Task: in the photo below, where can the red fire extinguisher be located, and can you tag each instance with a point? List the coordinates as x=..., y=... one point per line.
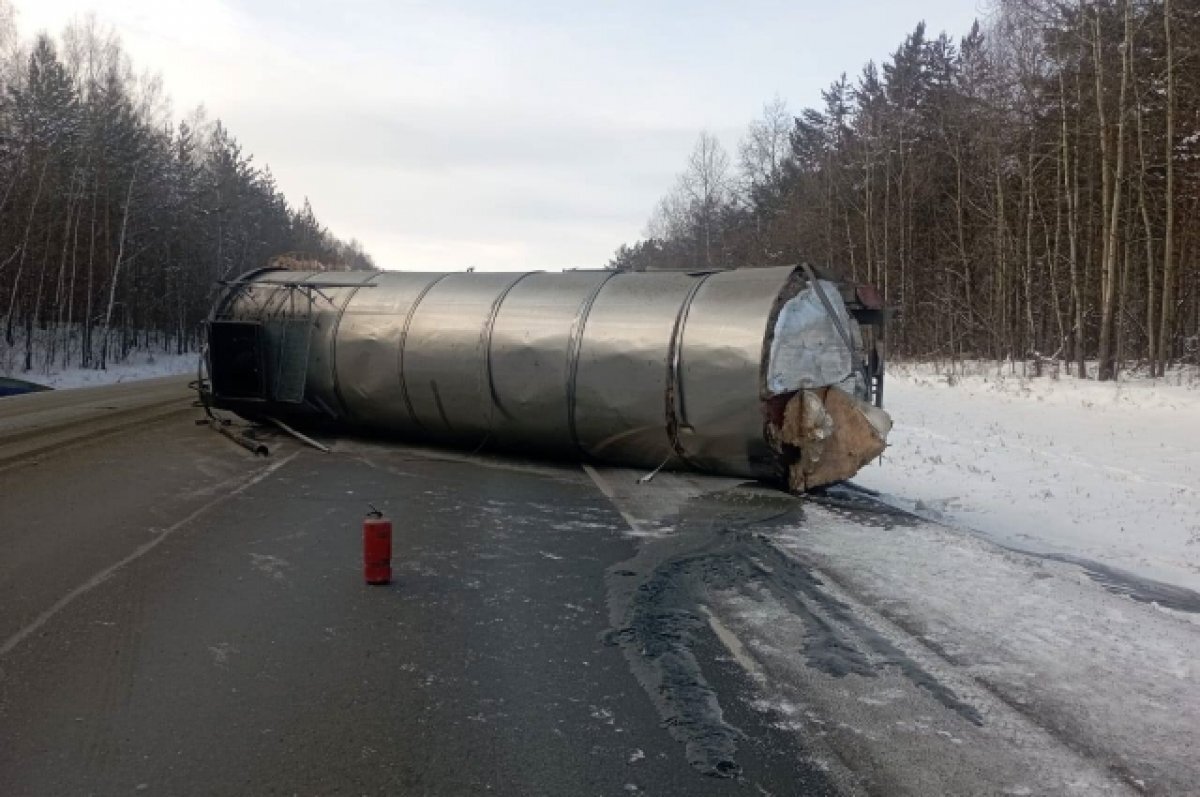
x=377, y=548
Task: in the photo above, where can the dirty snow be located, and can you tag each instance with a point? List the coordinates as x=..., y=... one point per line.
x=1104, y=471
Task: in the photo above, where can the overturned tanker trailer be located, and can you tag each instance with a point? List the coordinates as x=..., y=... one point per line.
x=759, y=373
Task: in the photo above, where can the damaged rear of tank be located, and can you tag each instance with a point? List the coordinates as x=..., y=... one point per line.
x=766, y=373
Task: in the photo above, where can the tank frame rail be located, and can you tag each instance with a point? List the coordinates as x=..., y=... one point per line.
x=867, y=307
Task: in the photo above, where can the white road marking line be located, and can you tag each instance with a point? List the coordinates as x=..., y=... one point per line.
x=608, y=491
x=16, y=639
x=734, y=646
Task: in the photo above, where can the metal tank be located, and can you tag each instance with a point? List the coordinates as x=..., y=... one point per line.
x=649, y=369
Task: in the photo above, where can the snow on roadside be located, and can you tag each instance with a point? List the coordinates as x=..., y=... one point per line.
x=1115, y=679
x=1105, y=471
x=138, y=365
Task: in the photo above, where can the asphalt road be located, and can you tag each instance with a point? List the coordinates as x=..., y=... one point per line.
x=178, y=616
x=35, y=424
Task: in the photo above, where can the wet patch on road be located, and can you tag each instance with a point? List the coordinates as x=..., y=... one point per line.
x=862, y=506
x=659, y=641
x=721, y=543
x=839, y=643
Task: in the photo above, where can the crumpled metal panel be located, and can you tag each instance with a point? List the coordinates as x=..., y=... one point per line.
x=639, y=369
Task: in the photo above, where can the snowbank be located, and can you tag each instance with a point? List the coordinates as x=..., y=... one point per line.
x=139, y=365
x=1105, y=471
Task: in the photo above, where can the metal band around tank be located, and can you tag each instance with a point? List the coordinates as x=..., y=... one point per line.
x=488, y=328
x=412, y=311
x=673, y=398
x=333, y=338
x=574, y=346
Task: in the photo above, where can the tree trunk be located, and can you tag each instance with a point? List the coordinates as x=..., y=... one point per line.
x=1002, y=335
x=74, y=270
x=1111, y=238
x=112, y=292
x=86, y=344
x=1148, y=232
x=1031, y=343
x=33, y=312
x=37, y=195
x=1167, y=315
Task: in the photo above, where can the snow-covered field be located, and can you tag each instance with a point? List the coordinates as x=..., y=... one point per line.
x=1104, y=471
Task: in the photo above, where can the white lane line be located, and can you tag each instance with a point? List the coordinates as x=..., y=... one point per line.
x=16, y=639
x=734, y=646
x=611, y=494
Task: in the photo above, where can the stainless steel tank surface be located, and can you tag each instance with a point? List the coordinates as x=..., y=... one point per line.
x=647, y=369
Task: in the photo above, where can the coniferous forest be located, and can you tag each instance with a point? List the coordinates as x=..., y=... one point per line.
x=1030, y=191
x=117, y=220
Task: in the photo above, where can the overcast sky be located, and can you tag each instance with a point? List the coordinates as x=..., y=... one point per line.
x=505, y=135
